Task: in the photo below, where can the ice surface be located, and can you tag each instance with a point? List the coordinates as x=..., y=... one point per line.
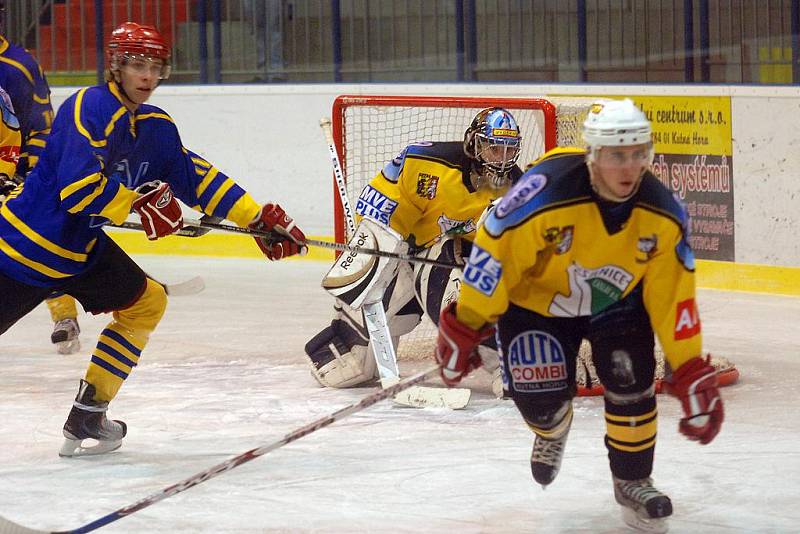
x=224, y=373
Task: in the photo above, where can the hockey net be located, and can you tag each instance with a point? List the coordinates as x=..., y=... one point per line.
x=370, y=130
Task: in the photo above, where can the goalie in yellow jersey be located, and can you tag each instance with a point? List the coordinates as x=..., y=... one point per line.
x=589, y=244
x=426, y=201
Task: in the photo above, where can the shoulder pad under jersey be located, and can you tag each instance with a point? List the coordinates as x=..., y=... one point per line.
x=450, y=154
x=517, y=204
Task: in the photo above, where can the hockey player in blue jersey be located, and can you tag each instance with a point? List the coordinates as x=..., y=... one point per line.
x=110, y=154
x=23, y=79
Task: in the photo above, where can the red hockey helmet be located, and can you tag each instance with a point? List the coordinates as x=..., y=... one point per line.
x=132, y=39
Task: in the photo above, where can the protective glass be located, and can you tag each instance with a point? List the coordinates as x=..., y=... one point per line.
x=140, y=65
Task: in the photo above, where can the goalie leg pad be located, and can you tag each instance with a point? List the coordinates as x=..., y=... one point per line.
x=339, y=357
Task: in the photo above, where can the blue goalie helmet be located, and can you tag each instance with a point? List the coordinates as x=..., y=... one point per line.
x=494, y=141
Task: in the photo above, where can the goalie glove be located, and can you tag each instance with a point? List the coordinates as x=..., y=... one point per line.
x=159, y=211
x=456, y=346
x=287, y=238
x=695, y=384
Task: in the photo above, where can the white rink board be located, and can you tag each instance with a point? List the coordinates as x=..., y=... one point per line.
x=268, y=139
x=224, y=373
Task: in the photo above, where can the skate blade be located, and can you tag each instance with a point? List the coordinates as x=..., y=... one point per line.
x=68, y=347
x=657, y=525
x=73, y=448
x=426, y=397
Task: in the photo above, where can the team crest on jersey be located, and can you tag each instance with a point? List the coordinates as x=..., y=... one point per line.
x=560, y=237
x=454, y=226
x=687, y=320
x=375, y=205
x=536, y=362
x=524, y=190
x=647, y=246
x=426, y=185
x=482, y=272
x=591, y=290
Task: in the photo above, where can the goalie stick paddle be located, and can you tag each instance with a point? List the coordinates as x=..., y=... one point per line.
x=10, y=527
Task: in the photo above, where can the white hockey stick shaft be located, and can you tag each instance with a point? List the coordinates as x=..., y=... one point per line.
x=9, y=527
x=381, y=340
x=325, y=124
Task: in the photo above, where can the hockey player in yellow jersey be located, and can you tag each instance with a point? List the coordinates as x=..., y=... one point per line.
x=589, y=244
x=429, y=193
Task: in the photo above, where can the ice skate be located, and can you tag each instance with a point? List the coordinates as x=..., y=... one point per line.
x=87, y=420
x=546, y=458
x=643, y=506
x=65, y=336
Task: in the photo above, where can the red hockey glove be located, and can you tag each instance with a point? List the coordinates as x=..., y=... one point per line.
x=160, y=212
x=290, y=240
x=695, y=384
x=455, y=347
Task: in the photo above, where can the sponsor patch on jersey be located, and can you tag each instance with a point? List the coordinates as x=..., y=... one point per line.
x=524, y=190
x=454, y=226
x=560, y=237
x=375, y=205
x=10, y=154
x=687, y=320
x=648, y=246
x=427, y=185
x=591, y=290
x=482, y=272
x=536, y=362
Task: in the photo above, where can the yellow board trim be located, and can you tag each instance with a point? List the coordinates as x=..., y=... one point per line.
x=212, y=244
x=750, y=277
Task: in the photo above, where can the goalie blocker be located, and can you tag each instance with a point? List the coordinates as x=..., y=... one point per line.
x=340, y=355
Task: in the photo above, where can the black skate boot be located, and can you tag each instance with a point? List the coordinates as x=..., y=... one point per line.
x=87, y=420
x=546, y=458
x=65, y=336
x=643, y=506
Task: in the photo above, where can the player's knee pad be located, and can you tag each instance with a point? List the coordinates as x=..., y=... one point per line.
x=142, y=317
x=550, y=420
x=436, y=287
x=625, y=362
x=339, y=355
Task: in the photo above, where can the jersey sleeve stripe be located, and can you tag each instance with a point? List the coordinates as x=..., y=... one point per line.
x=217, y=197
x=37, y=142
x=201, y=187
x=243, y=211
x=37, y=238
x=119, y=207
x=201, y=163
x=98, y=190
x=9, y=251
x=80, y=184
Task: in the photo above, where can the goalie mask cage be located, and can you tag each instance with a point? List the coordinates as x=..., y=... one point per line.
x=369, y=131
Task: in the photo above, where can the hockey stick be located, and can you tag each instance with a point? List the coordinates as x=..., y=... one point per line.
x=190, y=224
x=192, y=286
x=9, y=527
x=380, y=339
x=325, y=124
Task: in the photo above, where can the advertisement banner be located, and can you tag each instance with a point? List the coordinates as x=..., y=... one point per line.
x=694, y=147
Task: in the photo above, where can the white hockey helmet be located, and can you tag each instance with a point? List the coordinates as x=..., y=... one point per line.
x=616, y=123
